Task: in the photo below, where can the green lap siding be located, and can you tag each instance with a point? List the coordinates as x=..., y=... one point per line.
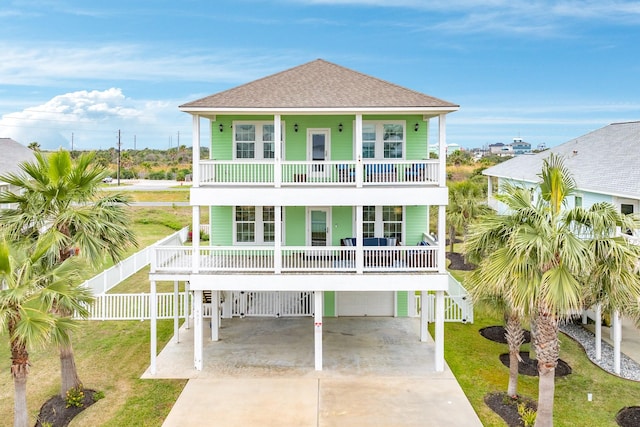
x=329, y=304
x=342, y=219
x=221, y=226
x=416, y=224
x=295, y=226
x=402, y=304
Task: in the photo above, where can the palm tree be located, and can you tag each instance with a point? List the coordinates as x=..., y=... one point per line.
x=542, y=261
x=489, y=236
x=61, y=199
x=464, y=206
x=30, y=288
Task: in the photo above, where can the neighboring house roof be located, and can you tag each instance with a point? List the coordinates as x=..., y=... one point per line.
x=318, y=85
x=13, y=153
x=604, y=161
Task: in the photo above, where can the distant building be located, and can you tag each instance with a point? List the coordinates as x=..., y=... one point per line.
x=13, y=153
x=520, y=147
x=514, y=149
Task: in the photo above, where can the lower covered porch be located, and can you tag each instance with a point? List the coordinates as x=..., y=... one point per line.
x=285, y=346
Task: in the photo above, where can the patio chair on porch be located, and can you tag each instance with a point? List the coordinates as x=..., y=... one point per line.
x=380, y=173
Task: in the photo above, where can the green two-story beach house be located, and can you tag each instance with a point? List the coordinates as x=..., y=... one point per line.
x=320, y=189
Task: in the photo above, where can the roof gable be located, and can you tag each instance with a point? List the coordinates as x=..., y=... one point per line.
x=603, y=161
x=13, y=153
x=318, y=84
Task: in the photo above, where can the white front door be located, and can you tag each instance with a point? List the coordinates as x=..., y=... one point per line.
x=318, y=143
x=318, y=229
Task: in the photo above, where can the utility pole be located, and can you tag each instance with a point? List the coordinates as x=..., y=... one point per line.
x=72, y=143
x=119, y=145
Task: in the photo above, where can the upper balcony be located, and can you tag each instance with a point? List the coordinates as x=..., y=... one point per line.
x=347, y=173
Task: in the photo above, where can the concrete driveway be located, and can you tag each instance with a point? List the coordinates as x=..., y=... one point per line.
x=376, y=372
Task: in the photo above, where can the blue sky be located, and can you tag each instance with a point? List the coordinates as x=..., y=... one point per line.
x=547, y=71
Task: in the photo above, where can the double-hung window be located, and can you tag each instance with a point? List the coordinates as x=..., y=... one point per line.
x=382, y=221
x=253, y=140
x=383, y=140
x=254, y=224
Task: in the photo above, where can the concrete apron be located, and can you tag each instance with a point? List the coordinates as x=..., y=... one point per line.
x=376, y=372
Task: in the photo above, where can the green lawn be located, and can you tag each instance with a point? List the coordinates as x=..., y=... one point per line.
x=474, y=361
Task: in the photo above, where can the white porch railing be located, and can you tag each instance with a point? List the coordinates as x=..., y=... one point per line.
x=301, y=173
x=458, y=306
x=270, y=304
x=135, y=306
x=112, y=276
x=212, y=259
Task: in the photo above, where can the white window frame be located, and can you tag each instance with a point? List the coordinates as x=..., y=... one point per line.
x=258, y=230
x=258, y=149
x=379, y=223
x=379, y=141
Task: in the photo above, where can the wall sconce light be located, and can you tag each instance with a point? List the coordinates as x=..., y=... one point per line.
x=295, y=127
x=340, y=127
x=416, y=127
x=221, y=127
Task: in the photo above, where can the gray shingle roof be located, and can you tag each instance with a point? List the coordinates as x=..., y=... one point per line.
x=605, y=161
x=318, y=84
x=13, y=153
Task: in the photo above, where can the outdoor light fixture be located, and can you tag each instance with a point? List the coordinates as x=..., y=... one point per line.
x=295, y=127
x=221, y=127
x=416, y=127
x=340, y=127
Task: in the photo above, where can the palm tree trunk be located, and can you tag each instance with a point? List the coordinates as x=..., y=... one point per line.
x=19, y=371
x=68, y=371
x=547, y=352
x=515, y=338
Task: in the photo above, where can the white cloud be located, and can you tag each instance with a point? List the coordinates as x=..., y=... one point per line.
x=45, y=63
x=94, y=117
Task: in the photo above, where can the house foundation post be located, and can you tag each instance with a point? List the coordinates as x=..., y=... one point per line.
x=153, y=307
x=215, y=315
x=424, y=316
x=197, y=330
x=176, y=313
x=317, y=327
x=439, y=354
x=598, y=332
x=617, y=340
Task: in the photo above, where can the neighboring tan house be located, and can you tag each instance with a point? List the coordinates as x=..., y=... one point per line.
x=319, y=188
x=604, y=164
x=13, y=153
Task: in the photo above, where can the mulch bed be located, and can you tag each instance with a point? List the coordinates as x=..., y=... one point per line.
x=507, y=407
x=629, y=416
x=55, y=412
x=529, y=366
x=497, y=334
x=458, y=263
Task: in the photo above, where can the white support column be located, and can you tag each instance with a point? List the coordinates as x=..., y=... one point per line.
x=317, y=327
x=439, y=354
x=197, y=331
x=195, y=240
x=358, y=150
x=442, y=150
x=176, y=313
x=153, y=312
x=617, y=340
x=489, y=189
x=277, y=244
x=195, y=141
x=187, y=295
x=359, y=243
x=442, y=239
x=598, y=332
x=277, y=155
x=215, y=315
x=424, y=318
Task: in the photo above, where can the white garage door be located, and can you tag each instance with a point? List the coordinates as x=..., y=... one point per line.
x=365, y=303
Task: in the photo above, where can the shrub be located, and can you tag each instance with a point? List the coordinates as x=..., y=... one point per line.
x=527, y=415
x=157, y=175
x=75, y=397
